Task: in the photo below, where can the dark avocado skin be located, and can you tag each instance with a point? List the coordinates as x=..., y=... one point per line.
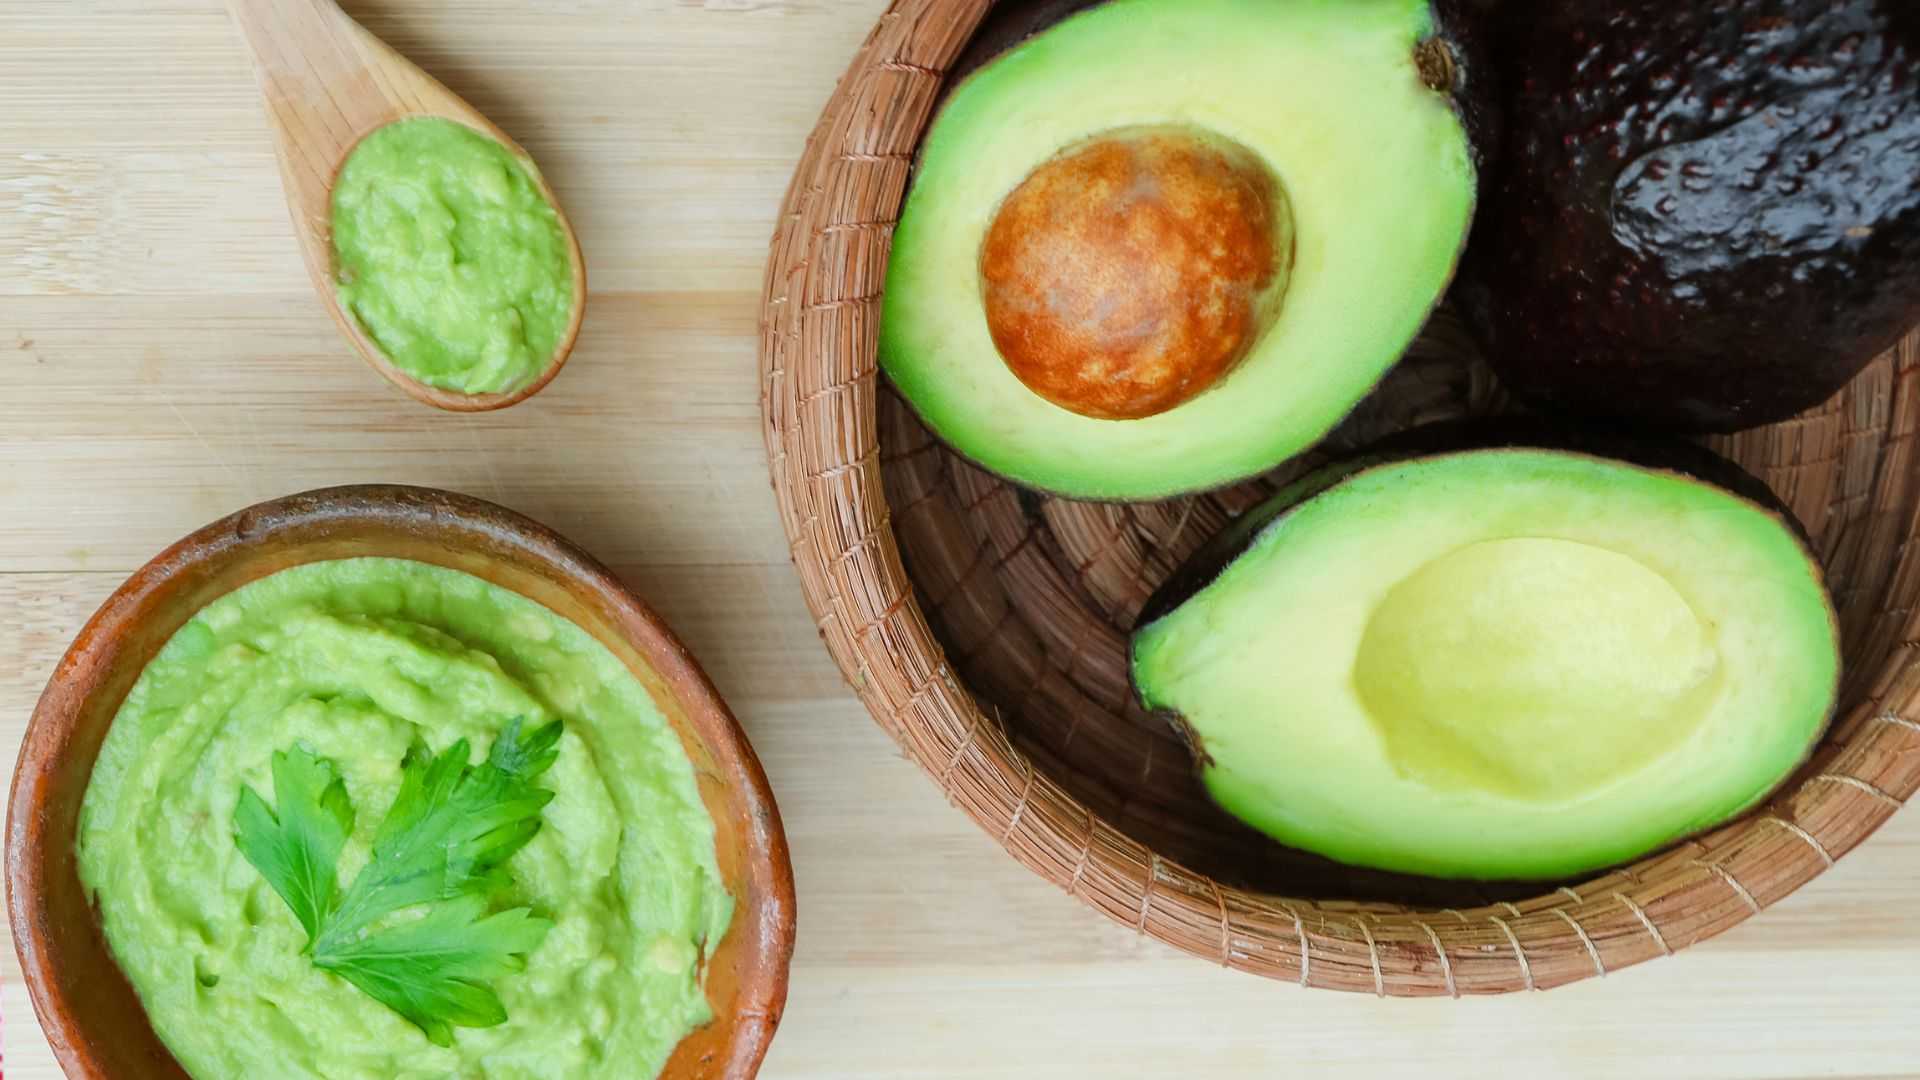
x=1706, y=215
x=1456, y=436
x=1009, y=23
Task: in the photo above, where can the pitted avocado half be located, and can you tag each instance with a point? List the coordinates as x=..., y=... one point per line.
x=1513, y=662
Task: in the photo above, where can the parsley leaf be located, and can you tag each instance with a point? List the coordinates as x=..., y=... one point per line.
x=431, y=970
x=296, y=850
x=450, y=828
x=443, y=844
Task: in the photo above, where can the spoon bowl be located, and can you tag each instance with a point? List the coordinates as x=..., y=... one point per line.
x=330, y=83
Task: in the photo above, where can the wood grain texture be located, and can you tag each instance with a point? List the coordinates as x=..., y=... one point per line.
x=167, y=362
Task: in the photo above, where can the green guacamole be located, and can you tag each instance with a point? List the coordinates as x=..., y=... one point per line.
x=450, y=257
x=354, y=660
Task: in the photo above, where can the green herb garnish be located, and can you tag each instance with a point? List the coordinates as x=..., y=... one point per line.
x=444, y=843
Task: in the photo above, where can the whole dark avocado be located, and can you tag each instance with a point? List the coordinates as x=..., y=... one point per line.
x=1707, y=215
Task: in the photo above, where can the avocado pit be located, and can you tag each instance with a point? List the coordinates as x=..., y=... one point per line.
x=1133, y=271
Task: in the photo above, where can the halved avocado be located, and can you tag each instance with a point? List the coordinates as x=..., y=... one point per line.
x=1513, y=662
x=1166, y=244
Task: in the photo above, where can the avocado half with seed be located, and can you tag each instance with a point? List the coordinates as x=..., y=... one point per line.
x=1167, y=244
x=1515, y=661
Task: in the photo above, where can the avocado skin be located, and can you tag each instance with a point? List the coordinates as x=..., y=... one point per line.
x=1009, y=23
x=1706, y=216
x=1455, y=436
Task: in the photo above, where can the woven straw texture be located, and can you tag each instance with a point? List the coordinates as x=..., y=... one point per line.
x=984, y=626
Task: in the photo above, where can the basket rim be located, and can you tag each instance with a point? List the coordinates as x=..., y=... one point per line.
x=819, y=399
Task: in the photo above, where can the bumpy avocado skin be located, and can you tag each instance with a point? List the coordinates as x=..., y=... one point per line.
x=1707, y=215
x=1008, y=24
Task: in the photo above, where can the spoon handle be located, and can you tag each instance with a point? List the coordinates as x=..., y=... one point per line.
x=321, y=75
x=326, y=79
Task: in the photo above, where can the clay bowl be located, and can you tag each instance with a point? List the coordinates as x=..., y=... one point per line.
x=91, y=1016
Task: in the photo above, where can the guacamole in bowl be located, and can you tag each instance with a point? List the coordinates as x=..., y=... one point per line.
x=356, y=813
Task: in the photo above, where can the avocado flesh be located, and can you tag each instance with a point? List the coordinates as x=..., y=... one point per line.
x=1500, y=664
x=1375, y=164
x=1707, y=215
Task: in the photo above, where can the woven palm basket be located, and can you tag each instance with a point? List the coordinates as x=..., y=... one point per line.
x=984, y=626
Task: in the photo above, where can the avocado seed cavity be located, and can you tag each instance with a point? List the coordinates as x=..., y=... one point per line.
x=1133, y=271
x=1537, y=668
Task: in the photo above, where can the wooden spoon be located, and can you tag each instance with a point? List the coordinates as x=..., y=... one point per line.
x=328, y=84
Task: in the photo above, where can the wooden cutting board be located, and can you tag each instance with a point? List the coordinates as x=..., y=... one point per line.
x=166, y=362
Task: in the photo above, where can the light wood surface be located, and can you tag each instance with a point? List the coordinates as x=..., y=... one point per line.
x=166, y=362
